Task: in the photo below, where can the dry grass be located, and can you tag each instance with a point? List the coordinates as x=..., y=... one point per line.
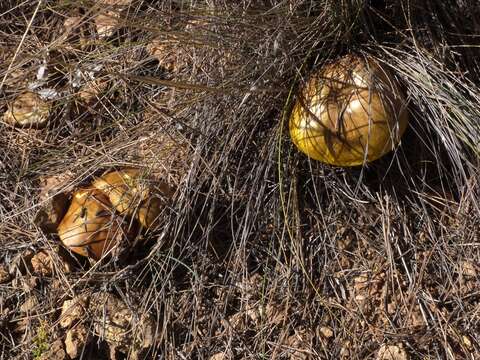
x=263, y=254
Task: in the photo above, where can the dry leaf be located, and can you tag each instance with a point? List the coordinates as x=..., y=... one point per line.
x=117, y=324
x=392, y=352
x=44, y=263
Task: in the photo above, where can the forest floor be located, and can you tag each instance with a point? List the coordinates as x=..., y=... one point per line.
x=260, y=253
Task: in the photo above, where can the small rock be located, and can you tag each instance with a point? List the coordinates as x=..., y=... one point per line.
x=467, y=342
x=29, y=304
x=73, y=310
x=468, y=269
x=392, y=352
x=361, y=282
x=75, y=341
x=326, y=332
x=55, y=352
x=114, y=327
x=27, y=110
x=345, y=350
x=367, y=287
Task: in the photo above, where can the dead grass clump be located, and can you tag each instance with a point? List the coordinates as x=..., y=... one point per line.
x=262, y=253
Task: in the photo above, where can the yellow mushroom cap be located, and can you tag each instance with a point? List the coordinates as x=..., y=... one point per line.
x=89, y=228
x=28, y=109
x=349, y=113
x=130, y=192
x=124, y=188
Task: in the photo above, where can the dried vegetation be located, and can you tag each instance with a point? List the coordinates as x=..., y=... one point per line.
x=262, y=254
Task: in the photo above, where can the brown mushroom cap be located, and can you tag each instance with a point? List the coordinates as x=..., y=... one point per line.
x=349, y=113
x=147, y=214
x=27, y=110
x=124, y=188
x=130, y=192
x=89, y=228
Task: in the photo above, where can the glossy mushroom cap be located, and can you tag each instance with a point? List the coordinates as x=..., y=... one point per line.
x=349, y=113
x=124, y=188
x=130, y=192
x=89, y=228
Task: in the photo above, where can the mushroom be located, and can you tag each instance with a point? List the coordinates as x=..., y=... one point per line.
x=130, y=192
x=27, y=110
x=147, y=214
x=89, y=227
x=349, y=113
